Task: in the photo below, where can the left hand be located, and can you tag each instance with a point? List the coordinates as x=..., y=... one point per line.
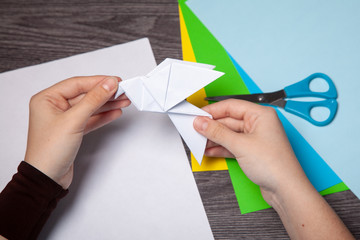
x=61, y=115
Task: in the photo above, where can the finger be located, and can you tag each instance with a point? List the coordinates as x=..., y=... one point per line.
x=121, y=97
x=112, y=105
x=231, y=108
x=94, y=99
x=232, y=123
x=211, y=144
x=217, y=132
x=102, y=119
x=75, y=86
x=218, y=151
x=75, y=100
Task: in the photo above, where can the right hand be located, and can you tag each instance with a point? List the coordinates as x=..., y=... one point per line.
x=254, y=135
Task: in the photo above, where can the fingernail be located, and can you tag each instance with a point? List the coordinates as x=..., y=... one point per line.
x=201, y=123
x=110, y=83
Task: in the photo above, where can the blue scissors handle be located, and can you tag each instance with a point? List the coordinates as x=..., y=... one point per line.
x=303, y=110
x=299, y=108
x=302, y=88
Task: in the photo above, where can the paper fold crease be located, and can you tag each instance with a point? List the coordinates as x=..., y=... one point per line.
x=164, y=89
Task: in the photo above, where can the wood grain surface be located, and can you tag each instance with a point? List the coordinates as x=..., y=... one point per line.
x=33, y=32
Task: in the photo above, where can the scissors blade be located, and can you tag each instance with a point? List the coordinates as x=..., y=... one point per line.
x=255, y=98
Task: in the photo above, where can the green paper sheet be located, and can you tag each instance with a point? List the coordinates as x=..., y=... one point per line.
x=247, y=193
x=208, y=50
x=336, y=188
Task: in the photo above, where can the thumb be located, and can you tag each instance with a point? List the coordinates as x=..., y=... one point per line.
x=216, y=132
x=95, y=98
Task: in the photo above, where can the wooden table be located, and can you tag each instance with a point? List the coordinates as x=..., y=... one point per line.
x=33, y=32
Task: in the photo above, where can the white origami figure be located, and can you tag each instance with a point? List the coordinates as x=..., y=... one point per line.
x=164, y=90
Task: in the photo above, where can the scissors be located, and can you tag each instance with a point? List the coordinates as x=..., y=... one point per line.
x=298, y=108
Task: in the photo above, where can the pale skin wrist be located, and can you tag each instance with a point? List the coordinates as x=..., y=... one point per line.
x=305, y=213
x=285, y=179
x=47, y=168
x=287, y=190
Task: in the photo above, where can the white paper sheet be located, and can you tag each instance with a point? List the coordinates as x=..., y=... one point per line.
x=132, y=177
x=164, y=90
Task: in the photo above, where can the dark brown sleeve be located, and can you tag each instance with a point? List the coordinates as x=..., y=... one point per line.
x=26, y=203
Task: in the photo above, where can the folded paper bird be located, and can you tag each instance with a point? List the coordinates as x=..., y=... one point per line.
x=164, y=90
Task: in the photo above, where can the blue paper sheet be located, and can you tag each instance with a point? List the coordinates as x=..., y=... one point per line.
x=281, y=42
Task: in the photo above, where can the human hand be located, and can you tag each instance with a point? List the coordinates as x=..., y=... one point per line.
x=254, y=135
x=61, y=115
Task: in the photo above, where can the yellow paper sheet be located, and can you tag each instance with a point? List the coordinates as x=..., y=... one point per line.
x=208, y=164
